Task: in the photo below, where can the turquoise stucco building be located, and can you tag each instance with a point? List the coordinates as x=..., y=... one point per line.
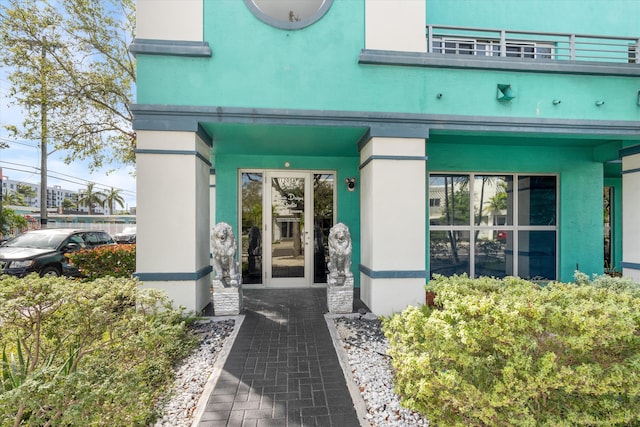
x=484, y=137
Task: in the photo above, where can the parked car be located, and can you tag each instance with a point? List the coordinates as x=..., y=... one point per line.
x=128, y=235
x=43, y=251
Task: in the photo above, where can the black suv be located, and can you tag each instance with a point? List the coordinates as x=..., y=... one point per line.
x=42, y=251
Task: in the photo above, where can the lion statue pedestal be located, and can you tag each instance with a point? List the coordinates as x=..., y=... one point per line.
x=227, y=281
x=340, y=278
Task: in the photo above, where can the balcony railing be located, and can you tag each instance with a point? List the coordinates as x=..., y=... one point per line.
x=531, y=45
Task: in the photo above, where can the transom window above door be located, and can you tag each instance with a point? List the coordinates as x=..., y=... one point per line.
x=493, y=225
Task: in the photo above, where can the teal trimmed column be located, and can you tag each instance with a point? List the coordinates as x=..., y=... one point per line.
x=173, y=220
x=631, y=206
x=392, y=223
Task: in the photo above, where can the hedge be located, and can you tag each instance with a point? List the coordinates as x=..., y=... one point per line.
x=111, y=260
x=511, y=353
x=74, y=355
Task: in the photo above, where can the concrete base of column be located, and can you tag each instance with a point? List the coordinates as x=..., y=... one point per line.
x=194, y=295
x=388, y=296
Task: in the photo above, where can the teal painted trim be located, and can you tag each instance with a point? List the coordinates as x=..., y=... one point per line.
x=636, y=170
x=204, y=135
x=395, y=131
x=381, y=157
x=286, y=25
x=186, y=118
x=387, y=131
x=170, y=48
x=421, y=59
x=393, y=274
x=165, y=277
x=175, y=153
x=630, y=265
x=629, y=151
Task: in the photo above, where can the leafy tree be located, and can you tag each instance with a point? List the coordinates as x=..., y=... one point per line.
x=69, y=63
x=91, y=197
x=10, y=220
x=29, y=34
x=72, y=74
x=26, y=191
x=68, y=204
x=14, y=198
x=112, y=197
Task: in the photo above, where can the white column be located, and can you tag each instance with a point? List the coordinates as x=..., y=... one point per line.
x=631, y=207
x=393, y=223
x=173, y=222
x=398, y=25
x=169, y=19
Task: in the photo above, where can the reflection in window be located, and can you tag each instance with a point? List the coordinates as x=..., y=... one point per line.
x=474, y=227
x=252, y=188
x=537, y=200
x=453, y=193
x=536, y=255
x=492, y=200
x=494, y=253
x=449, y=252
x=323, y=188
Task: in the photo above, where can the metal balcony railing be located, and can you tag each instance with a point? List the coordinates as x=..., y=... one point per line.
x=442, y=39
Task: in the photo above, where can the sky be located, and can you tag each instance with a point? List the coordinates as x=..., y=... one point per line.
x=21, y=161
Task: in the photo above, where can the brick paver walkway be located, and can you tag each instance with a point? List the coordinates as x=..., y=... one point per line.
x=282, y=369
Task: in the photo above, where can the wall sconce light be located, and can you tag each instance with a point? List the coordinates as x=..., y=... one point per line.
x=504, y=93
x=556, y=101
x=287, y=164
x=599, y=103
x=351, y=183
x=439, y=96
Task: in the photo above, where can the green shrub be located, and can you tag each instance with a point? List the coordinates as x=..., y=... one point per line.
x=616, y=283
x=510, y=353
x=73, y=355
x=112, y=260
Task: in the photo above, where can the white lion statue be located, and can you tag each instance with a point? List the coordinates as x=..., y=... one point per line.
x=339, y=254
x=223, y=243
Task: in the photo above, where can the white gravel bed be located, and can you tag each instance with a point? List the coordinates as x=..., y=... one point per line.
x=366, y=349
x=193, y=373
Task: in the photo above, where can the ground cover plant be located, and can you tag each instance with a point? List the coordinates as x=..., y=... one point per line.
x=75, y=353
x=110, y=260
x=507, y=352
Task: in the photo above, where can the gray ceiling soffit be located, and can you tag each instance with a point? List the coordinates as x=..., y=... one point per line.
x=170, y=48
x=437, y=60
x=187, y=118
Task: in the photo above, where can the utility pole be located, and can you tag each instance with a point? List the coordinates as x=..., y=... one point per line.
x=1, y=207
x=44, y=216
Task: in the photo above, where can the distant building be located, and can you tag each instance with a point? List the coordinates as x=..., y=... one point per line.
x=55, y=196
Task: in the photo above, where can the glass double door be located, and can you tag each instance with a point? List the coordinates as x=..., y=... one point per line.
x=286, y=217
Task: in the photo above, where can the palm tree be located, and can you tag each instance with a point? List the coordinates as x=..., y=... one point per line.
x=68, y=204
x=14, y=198
x=91, y=197
x=112, y=196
